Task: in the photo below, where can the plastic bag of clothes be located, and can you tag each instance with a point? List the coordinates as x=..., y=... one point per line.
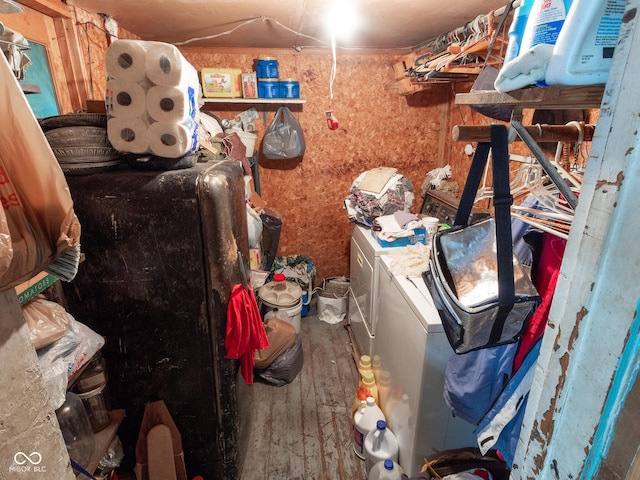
x=377, y=192
x=286, y=367
x=295, y=268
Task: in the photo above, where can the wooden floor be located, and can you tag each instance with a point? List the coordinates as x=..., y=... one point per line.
x=303, y=430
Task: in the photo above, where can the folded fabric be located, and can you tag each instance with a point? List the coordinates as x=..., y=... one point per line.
x=526, y=69
x=390, y=229
x=404, y=218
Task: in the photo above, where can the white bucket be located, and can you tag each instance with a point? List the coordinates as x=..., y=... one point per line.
x=290, y=314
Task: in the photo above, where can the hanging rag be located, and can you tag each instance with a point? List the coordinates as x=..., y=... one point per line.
x=245, y=331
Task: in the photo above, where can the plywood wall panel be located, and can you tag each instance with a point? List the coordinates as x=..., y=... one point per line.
x=378, y=127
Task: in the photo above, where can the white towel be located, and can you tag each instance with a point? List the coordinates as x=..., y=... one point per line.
x=526, y=69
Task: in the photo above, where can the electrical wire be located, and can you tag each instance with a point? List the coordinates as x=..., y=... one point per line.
x=248, y=22
x=333, y=68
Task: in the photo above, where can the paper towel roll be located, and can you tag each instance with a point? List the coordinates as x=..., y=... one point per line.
x=125, y=99
x=128, y=135
x=172, y=140
x=165, y=65
x=170, y=104
x=125, y=60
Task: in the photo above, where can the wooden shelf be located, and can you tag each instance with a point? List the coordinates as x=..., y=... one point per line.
x=549, y=98
x=103, y=439
x=256, y=100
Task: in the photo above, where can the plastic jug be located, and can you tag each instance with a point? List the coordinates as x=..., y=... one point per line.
x=380, y=444
x=364, y=365
x=369, y=381
x=544, y=23
x=365, y=420
x=386, y=470
x=584, y=49
x=361, y=396
x=383, y=384
x=516, y=30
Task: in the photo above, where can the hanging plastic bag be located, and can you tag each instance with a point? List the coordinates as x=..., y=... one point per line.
x=284, y=137
x=35, y=196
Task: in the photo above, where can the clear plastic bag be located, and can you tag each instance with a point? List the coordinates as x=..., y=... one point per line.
x=284, y=138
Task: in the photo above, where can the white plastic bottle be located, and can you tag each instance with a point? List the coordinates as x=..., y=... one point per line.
x=379, y=445
x=364, y=421
x=386, y=470
x=584, y=49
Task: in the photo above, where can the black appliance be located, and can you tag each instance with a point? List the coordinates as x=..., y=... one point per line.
x=162, y=252
x=444, y=206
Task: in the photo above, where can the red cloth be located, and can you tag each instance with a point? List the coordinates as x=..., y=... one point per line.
x=546, y=279
x=245, y=331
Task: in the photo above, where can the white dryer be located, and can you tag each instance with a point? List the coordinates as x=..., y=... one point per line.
x=363, y=285
x=413, y=348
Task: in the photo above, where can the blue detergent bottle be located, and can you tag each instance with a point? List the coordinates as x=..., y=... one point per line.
x=516, y=30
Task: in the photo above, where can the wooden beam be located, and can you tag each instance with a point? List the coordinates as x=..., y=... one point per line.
x=48, y=7
x=556, y=97
x=541, y=133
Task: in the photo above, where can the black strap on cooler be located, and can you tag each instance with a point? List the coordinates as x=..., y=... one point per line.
x=502, y=201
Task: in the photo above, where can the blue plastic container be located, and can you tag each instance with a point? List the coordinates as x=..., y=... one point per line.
x=289, y=88
x=268, y=88
x=267, y=67
x=516, y=30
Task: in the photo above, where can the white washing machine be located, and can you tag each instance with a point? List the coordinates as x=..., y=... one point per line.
x=412, y=346
x=363, y=285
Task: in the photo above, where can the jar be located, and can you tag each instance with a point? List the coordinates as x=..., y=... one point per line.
x=267, y=67
x=268, y=88
x=76, y=429
x=93, y=376
x=96, y=404
x=289, y=88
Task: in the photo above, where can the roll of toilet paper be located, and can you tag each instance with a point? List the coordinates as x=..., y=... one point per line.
x=172, y=140
x=125, y=60
x=125, y=99
x=128, y=135
x=170, y=104
x=165, y=65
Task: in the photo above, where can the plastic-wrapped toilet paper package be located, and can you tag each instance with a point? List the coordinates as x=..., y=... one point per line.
x=170, y=104
x=172, y=140
x=128, y=135
x=154, y=94
x=126, y=60
x=125, y=99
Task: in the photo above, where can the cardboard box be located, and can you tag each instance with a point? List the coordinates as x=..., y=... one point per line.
x=221, y=82
x=249, y=85
x=419, y=236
